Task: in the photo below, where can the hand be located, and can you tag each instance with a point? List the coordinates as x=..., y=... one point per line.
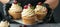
x=52, y=3
x=4, y=1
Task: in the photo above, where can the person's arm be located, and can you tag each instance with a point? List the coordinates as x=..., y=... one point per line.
x=52, y=3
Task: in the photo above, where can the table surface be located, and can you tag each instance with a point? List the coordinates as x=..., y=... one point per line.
x=39, y=25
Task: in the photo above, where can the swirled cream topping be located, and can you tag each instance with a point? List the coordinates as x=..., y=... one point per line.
x=28, y=12
x=4, y=24
x=40, y=8
x=15, y=7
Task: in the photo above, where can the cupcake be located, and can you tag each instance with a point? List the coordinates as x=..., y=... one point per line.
x=40, y=11
x=28, y=15
x=15, y=10
x=4, y=24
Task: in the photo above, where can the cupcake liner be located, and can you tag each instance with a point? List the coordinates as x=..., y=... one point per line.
x=28, y=20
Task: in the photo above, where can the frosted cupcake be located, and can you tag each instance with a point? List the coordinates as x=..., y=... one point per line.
x=4, y=24
x=28, y=15
x=15, y=10
x=40, y=11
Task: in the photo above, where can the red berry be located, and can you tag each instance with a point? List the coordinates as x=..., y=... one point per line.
x=25, y=26
x=15, y=2
x=26, y=6
x=39, y=3
x=29, y=5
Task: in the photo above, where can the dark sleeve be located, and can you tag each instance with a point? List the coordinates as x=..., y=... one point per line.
x=1, y=16
x=1, y=11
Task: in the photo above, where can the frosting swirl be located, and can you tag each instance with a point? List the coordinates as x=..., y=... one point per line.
x=28, y=12
x=15, y=8
x=41, y=9
x=4, y=24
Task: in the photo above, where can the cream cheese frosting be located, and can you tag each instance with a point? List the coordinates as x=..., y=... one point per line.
x=28, y=12
x=40, y=8
x=4, y=24
x=15, y=8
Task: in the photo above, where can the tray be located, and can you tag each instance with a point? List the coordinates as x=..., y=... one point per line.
x=20, y=21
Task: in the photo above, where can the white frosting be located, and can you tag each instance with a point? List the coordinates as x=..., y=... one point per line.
x=15, y=7
x=41, y=8
x=28, y=12
x=4, y=24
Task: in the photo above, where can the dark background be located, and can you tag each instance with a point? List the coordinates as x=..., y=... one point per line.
x=57, y=13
